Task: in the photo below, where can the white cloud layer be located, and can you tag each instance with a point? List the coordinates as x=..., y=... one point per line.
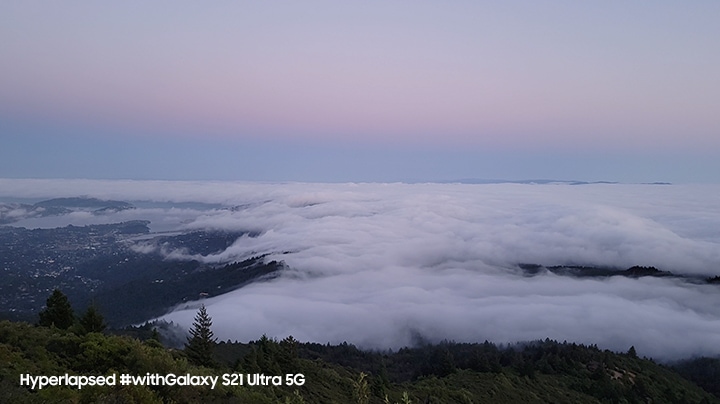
x=380, y=264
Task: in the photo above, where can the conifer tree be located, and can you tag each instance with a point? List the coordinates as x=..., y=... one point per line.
x=57, y=311
x=92, y=320
x=154, y=340
x=200, y=344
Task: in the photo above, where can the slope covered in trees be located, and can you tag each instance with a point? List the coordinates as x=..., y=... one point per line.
x=543, y=371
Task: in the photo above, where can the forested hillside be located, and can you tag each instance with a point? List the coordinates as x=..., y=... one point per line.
x=543, y=371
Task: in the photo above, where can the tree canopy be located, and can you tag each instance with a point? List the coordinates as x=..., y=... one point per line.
x=92, y=320
x=200, y=344
x=57, y=312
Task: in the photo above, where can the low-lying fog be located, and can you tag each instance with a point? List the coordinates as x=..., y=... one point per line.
x=382, y=265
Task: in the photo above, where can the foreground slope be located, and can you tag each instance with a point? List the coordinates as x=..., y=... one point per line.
x=544, y=371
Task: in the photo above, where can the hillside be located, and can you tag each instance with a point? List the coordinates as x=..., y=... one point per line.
x=544, y=371
x=122, y=267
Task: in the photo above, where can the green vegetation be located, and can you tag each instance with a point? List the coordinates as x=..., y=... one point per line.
x=534, y=372
x=544, y=371
x=705, y=372
x=199, y=348
x=58, y=312
x=92, y=320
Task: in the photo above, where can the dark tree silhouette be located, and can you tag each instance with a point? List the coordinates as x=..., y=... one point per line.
x=92, y=320
x=200, y=344
x=57, y=311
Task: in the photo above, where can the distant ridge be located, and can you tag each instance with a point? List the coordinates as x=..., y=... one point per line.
x=85, y=202
x=531, y=181
x=13, y=212
x=539, y=182
x=636, y=271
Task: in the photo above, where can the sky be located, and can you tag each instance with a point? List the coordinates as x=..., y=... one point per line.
x=369, y=91
x=380, y=265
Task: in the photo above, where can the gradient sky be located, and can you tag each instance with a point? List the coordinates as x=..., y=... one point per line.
x=367, y=91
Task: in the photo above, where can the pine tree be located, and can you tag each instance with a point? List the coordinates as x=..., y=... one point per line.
x=92, y=320
x=200, y=344
x=57, y=311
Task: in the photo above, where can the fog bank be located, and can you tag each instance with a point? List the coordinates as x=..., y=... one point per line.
x=381, y=265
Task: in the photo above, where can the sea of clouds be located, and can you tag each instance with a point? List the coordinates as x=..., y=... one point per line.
x=387, y=265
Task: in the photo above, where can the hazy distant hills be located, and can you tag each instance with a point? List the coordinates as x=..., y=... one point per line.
x=536, y=181
x=13, y=212
x=637, y=271
x=530, y=181
x=81, y=202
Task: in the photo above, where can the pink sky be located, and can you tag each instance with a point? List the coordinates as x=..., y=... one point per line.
x=512, y=76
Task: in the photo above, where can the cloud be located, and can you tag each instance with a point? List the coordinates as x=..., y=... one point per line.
x=379, y=264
